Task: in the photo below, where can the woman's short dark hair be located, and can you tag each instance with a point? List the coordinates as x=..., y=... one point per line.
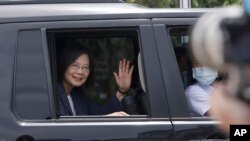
x=69, y=55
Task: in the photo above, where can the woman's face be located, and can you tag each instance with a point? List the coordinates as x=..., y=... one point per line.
x=77, y=73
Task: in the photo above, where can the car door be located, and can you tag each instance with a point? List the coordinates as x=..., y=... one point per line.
x=35, y=48
x=172, y=37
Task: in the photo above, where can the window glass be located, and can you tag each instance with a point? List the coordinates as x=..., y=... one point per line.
x=180, y=41
x=107, y=48
x=198, y=80
x=31, y=92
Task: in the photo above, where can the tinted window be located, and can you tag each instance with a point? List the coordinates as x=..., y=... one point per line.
x=31, y=94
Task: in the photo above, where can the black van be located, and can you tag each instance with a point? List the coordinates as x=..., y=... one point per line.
x=32, y=32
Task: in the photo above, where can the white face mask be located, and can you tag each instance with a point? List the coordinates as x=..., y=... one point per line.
x=204, y=75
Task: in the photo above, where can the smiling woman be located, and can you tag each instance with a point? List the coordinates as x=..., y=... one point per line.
x=74, y=68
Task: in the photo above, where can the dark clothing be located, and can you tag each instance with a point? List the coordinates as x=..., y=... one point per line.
x=83, y=105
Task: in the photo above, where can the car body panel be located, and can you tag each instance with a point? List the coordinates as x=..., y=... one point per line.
x=168, y=118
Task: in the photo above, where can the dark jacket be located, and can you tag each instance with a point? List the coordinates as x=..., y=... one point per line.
x=83, y=105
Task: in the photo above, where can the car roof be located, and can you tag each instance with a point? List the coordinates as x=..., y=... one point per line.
x=87, y=11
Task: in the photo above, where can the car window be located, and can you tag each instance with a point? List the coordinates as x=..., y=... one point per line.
x=107, y=48
x=180, y=41
x=197, y=79
x=30, y=100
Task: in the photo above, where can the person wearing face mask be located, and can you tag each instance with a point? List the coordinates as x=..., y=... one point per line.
x=199, y=93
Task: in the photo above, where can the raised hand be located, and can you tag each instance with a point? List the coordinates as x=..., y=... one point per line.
x=124, y=75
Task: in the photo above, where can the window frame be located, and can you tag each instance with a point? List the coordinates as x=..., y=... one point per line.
x=175, y=93
x=155, y=89
x=167, y=25
x=145, y=32
x=73, y=33
x=19, y=48
x=182, y=121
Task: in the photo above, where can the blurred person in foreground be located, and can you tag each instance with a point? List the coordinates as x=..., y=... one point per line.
x=221, y=40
